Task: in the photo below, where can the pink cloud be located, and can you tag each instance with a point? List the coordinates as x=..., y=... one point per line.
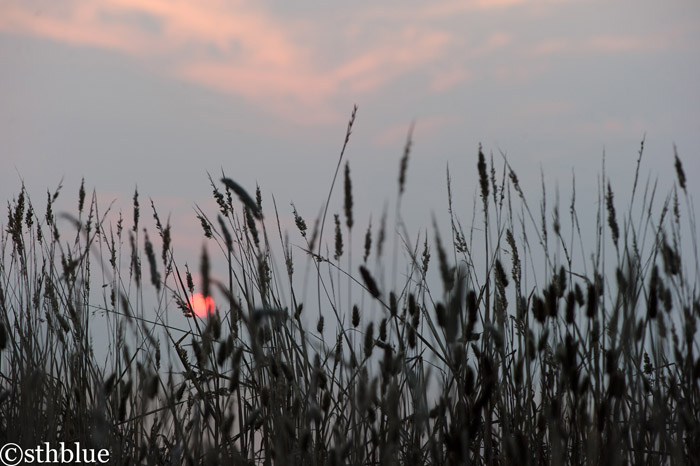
x=228, y=46
x=235, y=47
x=397, y=55
x=287, y=92
x=79, y=27
x=282, y=65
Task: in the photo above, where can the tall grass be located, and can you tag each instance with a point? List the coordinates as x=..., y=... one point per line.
x=509, y=342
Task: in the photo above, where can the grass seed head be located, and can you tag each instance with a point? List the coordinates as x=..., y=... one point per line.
x=591, y=301
x=136, y=211
x=348, y=197
x=612, y=218
x=483, y=176
x=393, y=304
x=355, y=316
x=204, y=270
x=251, y=226
x=299, y=221
x=370, y=284
x=369, y=340
x=679, y=169
x=338, y=239
x=538, y=309
x=570, y=307
x=368, y=241
x=404, y=160
x=244, y=197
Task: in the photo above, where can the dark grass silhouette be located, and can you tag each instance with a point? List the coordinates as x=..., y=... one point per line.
x=493, y=350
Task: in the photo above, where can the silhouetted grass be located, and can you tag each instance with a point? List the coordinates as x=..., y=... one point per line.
x=511, y=343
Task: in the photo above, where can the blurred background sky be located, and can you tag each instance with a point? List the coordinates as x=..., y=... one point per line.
x=156, y=93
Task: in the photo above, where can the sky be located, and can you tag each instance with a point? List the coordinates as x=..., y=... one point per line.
x=155, y=94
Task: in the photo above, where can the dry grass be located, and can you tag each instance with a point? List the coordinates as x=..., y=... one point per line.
x=596, y=363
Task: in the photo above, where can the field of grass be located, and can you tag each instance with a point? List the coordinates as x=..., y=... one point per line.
x=505, y=342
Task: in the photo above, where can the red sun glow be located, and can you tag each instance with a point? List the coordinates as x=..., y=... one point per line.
x=200, y=305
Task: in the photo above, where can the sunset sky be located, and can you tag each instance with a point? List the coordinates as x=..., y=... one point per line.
x=156, y=93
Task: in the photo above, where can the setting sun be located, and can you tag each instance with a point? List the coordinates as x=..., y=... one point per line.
x=200, y=305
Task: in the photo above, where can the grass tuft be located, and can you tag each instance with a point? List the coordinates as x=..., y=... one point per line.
x=519, y=346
